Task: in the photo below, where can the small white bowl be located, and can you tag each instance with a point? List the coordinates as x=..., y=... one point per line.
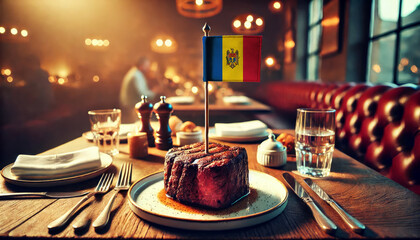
x=271, y=153
x=185, y=138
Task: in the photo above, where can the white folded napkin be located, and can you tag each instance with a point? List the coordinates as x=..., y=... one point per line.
x=236, y=100
x=180, y=100
x=240, y=129
x=54, y=166
x=126, y=128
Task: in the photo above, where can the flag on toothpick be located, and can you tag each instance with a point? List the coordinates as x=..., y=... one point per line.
x=233, y=58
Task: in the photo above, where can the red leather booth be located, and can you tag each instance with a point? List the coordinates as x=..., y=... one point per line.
x=378, y=125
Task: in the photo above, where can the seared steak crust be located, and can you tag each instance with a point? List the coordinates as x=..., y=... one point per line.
x=216, y=179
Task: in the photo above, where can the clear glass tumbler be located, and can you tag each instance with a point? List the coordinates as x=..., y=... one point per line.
x=105, y=126
x=314, y=141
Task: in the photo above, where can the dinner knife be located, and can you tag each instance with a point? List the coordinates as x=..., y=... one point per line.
x=353, y=223
x=323, y=221
x=43, y=194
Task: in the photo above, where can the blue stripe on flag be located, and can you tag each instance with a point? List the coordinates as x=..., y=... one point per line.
x=212, y=58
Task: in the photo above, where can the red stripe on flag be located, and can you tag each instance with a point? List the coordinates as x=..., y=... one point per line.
x=251, y=54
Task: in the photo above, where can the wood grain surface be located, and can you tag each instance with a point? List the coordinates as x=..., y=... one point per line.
x=387, y=209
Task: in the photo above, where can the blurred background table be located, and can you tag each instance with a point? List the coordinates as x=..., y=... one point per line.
x=218, y=111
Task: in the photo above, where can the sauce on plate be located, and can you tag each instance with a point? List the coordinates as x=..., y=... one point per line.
x=239, y=205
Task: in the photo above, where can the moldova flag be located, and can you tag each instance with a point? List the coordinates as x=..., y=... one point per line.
x=232, y=58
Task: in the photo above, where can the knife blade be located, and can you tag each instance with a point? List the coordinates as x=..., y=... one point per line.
x=323, y=221
x=352, y=222
x=43, y=194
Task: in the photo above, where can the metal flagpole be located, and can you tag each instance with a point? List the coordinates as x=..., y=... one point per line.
x=206, y=30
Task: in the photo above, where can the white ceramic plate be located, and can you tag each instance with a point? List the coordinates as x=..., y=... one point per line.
x=267, y=199
x=255, y=138
x=106, y=161
x=180, y=100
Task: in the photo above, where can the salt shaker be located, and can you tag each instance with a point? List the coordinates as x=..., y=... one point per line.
x=163, y=111
x=144, y=111
x=271, y=153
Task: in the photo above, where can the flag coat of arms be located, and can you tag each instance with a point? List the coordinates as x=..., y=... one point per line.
x=233, y=58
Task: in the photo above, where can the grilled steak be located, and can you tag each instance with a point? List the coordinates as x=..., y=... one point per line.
x=215, y=179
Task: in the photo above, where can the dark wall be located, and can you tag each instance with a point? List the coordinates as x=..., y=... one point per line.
x=333, y=66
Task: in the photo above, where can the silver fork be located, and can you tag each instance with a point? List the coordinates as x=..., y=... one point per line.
x=102, y=187
x=123, y=183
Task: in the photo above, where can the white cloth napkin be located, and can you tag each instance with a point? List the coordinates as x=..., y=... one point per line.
x=54, y=166
x=240, y=129
x=236, y=100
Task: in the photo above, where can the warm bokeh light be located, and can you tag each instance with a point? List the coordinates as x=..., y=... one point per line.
x=269, y=61
x=194, y=90
x=400, y=67
x=163, y=44
x=63, y=71
x=211, y=87
x=188, y=85
x=9, y=79
x=176, y=79
x=276, y=5
x=61, y=81
x=96, y=42
x=13, y=31
x=51, y=79
x=6, y=72
x=168, y=42
x=289, y=44
x=236, y=23
x=24, y=33
x=250, y=18
x=247, y=25
x=199, y=8
x=330, y=22
x=95, y=78
x=414, y=69
x=170, y=72
x=376, y=68
x=2, y=30
x=404, y=61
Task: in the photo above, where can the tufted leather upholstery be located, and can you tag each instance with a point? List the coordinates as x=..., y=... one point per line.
x=378, y=125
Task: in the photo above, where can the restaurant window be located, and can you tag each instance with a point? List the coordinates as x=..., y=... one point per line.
x=394, y=53
x=314, y=37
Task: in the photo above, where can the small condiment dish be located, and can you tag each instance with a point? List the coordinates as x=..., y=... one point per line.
x=185, y=138
x=271, y=153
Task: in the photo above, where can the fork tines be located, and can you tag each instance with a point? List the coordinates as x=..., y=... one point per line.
x=124, y=179
x=105, y=182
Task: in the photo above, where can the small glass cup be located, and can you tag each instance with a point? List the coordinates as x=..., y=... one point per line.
x=105, y=126
x=314, y=142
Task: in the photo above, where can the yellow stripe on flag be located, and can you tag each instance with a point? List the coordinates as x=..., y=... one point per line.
x=232, y=72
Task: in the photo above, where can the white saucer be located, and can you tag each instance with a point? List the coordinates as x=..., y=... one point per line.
x=255, y=138
x=106, y=162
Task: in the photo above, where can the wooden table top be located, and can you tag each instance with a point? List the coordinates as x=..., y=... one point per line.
x=387, y=209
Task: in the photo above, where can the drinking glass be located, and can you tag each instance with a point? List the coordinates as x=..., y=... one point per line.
x=314, y=142
x=105, y=126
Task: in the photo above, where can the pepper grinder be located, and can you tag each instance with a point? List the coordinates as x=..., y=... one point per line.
x=163, y=111
x=144, y=111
